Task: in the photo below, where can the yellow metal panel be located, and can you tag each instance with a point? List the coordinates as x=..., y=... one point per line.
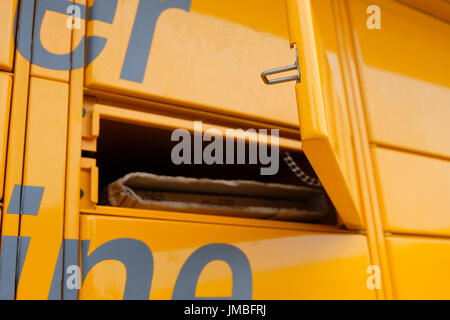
x=437, y=8
x=7, y=14
x=5, y=101
x=414, y=192
x=16, y=141
x=88, y=183
x=209, y=219
x=420, y=267
x=209, y=57
x=76, y=95
x=95, y=112
x=402, y=68
x=321, y=101
x=285, y=264
x=363, y=161
x=56, y=38
x=45, y=157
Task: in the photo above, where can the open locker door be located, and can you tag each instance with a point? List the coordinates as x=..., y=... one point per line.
x=321, y=99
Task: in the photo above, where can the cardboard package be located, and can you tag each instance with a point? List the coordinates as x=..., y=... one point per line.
x=236, y=198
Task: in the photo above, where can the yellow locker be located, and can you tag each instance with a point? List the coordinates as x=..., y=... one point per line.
x=204, y=54
x=5, y=101
x=414, y=192
x=14, y=157
x=402, y=67
x=52, y=38
x=142, y=258
x=321, y=99
x=7, y=19
x=207, y=55
x=44, y=168
x=419, y=267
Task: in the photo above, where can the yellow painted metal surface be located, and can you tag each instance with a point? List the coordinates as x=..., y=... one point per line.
x=88, y=183
x=326, y=136
x=56, y=38
x=402, y=68
x=16, y=141
x=98, y=111
x=437, y=8
x=7, y=14
x=414, y=192
x=363, y=161
x=420, y=267
x=208, y=58
x=407, y=98
x=44, y=166
x=337, y=269
x=5, y=104
x=75, y=115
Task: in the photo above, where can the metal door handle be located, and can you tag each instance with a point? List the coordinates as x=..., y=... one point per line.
x=266, y=80
x=295, y=66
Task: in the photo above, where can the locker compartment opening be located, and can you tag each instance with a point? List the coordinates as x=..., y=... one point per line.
x=136, y=170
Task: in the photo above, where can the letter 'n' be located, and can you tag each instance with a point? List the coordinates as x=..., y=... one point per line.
x=135, y=255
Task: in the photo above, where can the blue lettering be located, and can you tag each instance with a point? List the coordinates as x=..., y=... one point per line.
x=102, y=10
x=186, y=283
x=139, y=45
x=140, y=42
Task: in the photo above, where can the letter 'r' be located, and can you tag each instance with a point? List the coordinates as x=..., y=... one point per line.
x=147, y=15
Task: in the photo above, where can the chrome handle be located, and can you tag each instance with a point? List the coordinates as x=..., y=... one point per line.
x=295, y=66
x=266, y=80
